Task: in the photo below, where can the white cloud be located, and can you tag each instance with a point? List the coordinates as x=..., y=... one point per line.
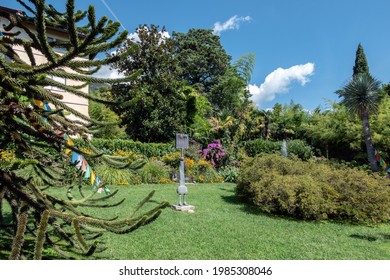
x=279, y=81
x=107, y=73
x=135, y=38
x=231, y=23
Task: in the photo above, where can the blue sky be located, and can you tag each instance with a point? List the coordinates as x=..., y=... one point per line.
x=305, y=49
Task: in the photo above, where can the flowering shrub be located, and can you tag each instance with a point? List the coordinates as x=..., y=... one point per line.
x=129, y=155
x=214, y=153
x=204, y=172
x=203, y=163
x=153, y=171
x=189, y=163
x=165, y=181
x=172, y=159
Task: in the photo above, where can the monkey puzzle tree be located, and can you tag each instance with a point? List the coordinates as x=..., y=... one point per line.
x=35, y=123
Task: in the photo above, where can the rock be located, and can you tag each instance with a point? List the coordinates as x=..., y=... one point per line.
x=187, y=208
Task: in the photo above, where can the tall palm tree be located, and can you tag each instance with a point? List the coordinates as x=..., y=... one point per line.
x=361, y=96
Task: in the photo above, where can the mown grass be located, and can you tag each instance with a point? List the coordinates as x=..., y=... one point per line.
x=224, y=228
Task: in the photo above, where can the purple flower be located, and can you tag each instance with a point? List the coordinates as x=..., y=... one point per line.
x=214, y=152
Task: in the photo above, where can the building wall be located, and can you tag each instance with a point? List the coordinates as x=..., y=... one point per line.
x=73, y=101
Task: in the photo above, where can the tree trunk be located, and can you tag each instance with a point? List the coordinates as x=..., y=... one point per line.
x=266, y=127
x=370, y=147
x=2, y=192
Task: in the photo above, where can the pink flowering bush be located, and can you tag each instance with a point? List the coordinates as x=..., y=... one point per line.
x=214, y=153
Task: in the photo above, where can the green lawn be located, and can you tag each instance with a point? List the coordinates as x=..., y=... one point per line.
x=224, y=228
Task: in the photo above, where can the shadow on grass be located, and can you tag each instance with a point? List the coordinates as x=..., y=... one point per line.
x=27, y=251
x=254, y=210
x=373, y=237
x=48, y=254
x=227, y=190
x=236, y=200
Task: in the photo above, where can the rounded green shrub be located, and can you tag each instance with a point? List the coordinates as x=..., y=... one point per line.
x=154, y=171
x=229, y=173
x=115, y=176
x=313, y=190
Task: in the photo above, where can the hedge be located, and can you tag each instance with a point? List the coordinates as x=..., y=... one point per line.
x=111, y=146
x=294, y=147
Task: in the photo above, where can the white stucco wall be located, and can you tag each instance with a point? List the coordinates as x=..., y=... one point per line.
x=73, y=101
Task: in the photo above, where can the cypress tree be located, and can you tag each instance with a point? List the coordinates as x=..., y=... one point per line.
x=40, y=137
x=361, y=65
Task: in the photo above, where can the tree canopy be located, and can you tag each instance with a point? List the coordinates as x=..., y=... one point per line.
x=35, y=127
x=361, y=64
x=202, y=59
x=153, y=105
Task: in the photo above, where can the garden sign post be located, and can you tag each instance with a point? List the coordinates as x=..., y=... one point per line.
x=182, y=142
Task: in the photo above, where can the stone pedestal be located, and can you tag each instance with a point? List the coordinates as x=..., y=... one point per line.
x=184, y=208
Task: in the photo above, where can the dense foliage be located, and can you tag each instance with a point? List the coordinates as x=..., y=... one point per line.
x=35, y=123
x=154, y=106
x=294, y=147
x=202, y=59
x=313, y=190
x=361, y=64
x=111, y=146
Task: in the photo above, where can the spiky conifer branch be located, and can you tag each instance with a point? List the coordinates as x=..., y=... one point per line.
x=42, y=229
x=32, y=130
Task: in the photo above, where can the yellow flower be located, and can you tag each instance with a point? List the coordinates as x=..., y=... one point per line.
x=123, y=183
x=86, y=151
x=201, y=179
x=165, y=181
x=203, y=162
x=7, y=155
x=189, y=163
x=171, y=158
x=131, y=155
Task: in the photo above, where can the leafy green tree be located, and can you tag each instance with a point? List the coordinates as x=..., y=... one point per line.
x=380, y=128
x=230, y=94
x=361, y=97
x=202, y=59
x=245, y=65
x=256, y=124
x=38, y=135
x=153, y=105
x=286, y=121
x=334, y=133
x=108, y=119
x=230, y=100
x=266, y=116
x=198, y=113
